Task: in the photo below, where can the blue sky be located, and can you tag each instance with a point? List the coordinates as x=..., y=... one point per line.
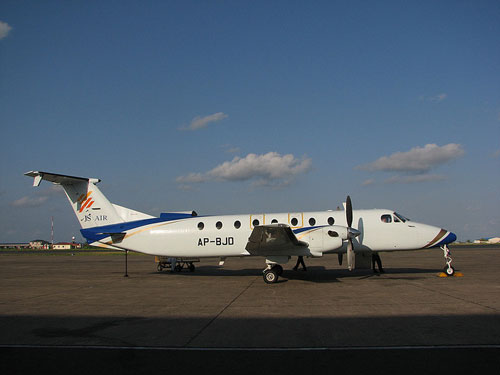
x=236, y=106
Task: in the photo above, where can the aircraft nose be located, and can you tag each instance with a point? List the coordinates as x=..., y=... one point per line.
x=451, y=237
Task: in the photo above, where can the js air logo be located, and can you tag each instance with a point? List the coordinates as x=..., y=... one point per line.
x=85, y=201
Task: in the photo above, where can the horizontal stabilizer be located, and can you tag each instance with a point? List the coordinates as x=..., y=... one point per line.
x=58, y=178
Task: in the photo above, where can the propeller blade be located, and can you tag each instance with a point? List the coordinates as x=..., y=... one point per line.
x=348, y=211
x=351, y=233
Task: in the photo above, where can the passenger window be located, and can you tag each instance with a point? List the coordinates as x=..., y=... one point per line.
x=201, y=225
x=294, y=222
x=386, y=218
x=255, y=222
x=312, y=222
x=237, y=224
x=331, y=220
x=218, y=225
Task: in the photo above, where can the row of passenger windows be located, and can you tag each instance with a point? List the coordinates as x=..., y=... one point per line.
x=256, y=222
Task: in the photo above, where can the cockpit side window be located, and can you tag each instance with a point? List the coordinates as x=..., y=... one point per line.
x=386, y=218
x=401, y=217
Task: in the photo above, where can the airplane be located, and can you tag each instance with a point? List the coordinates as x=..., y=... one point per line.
x=274, y=236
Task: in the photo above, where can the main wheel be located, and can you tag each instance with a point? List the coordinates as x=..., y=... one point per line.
x=191, y=267
x=449, y=270
x=270, y=276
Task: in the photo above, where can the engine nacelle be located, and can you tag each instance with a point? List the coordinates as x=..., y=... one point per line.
x=325, y=239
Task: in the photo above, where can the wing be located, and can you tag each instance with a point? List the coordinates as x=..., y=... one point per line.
x=277, y=239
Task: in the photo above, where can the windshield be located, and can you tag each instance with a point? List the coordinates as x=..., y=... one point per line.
x=401, y=217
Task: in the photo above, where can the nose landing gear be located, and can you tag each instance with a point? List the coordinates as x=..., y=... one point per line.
x=448, y=269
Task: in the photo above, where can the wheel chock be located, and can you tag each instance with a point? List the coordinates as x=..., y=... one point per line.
x=456, y=274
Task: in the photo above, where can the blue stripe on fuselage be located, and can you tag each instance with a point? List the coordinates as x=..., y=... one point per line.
x=300, y=230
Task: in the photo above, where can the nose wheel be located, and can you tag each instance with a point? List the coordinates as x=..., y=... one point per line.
x=448, y=269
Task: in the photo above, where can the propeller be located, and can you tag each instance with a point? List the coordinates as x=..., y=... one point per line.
x=351, y=233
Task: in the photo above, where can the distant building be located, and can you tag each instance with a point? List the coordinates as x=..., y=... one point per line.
x=39, y=244
x=491, y=240
x=66, y=246
x=14, y=245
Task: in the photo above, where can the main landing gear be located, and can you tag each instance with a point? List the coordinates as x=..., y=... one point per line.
x=448, y=269
x=272, y=273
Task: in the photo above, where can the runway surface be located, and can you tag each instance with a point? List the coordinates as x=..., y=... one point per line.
x=78, y=313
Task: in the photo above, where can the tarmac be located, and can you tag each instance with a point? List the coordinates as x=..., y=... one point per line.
x=80, y=314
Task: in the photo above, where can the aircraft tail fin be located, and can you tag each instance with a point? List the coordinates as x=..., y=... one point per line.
x=91, y=207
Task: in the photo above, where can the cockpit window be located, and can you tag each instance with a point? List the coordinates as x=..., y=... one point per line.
x=386, y=218
x=401, y=217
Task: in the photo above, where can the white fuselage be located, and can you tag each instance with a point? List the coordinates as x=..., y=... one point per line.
x=227, y=236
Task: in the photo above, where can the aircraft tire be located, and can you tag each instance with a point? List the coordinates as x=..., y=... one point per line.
x=449, y=270
x=191, y=267
x=270, y=276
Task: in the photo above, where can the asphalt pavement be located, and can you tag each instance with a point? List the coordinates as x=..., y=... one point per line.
x=79, y=313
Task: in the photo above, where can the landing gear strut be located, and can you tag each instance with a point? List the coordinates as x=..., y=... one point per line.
x=448, y=269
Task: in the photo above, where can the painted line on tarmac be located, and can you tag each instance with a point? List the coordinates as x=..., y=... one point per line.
x=176, y=348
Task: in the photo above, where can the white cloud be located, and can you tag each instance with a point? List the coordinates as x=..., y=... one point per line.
x=436, y=98
x=29, y=201
x=38, y=199
x=202, y=122
x=368, y=182
x=414, y=179
x=417, y=160
x=231, y=149
x=271, y=169
x=4, y=29
x=439, y=98
x=191, y=178
x=414, y=166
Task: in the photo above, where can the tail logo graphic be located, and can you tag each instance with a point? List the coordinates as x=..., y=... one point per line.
x=85, y=201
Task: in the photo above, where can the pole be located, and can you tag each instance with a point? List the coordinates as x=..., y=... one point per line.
x=126, y=263
x=52, y=231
